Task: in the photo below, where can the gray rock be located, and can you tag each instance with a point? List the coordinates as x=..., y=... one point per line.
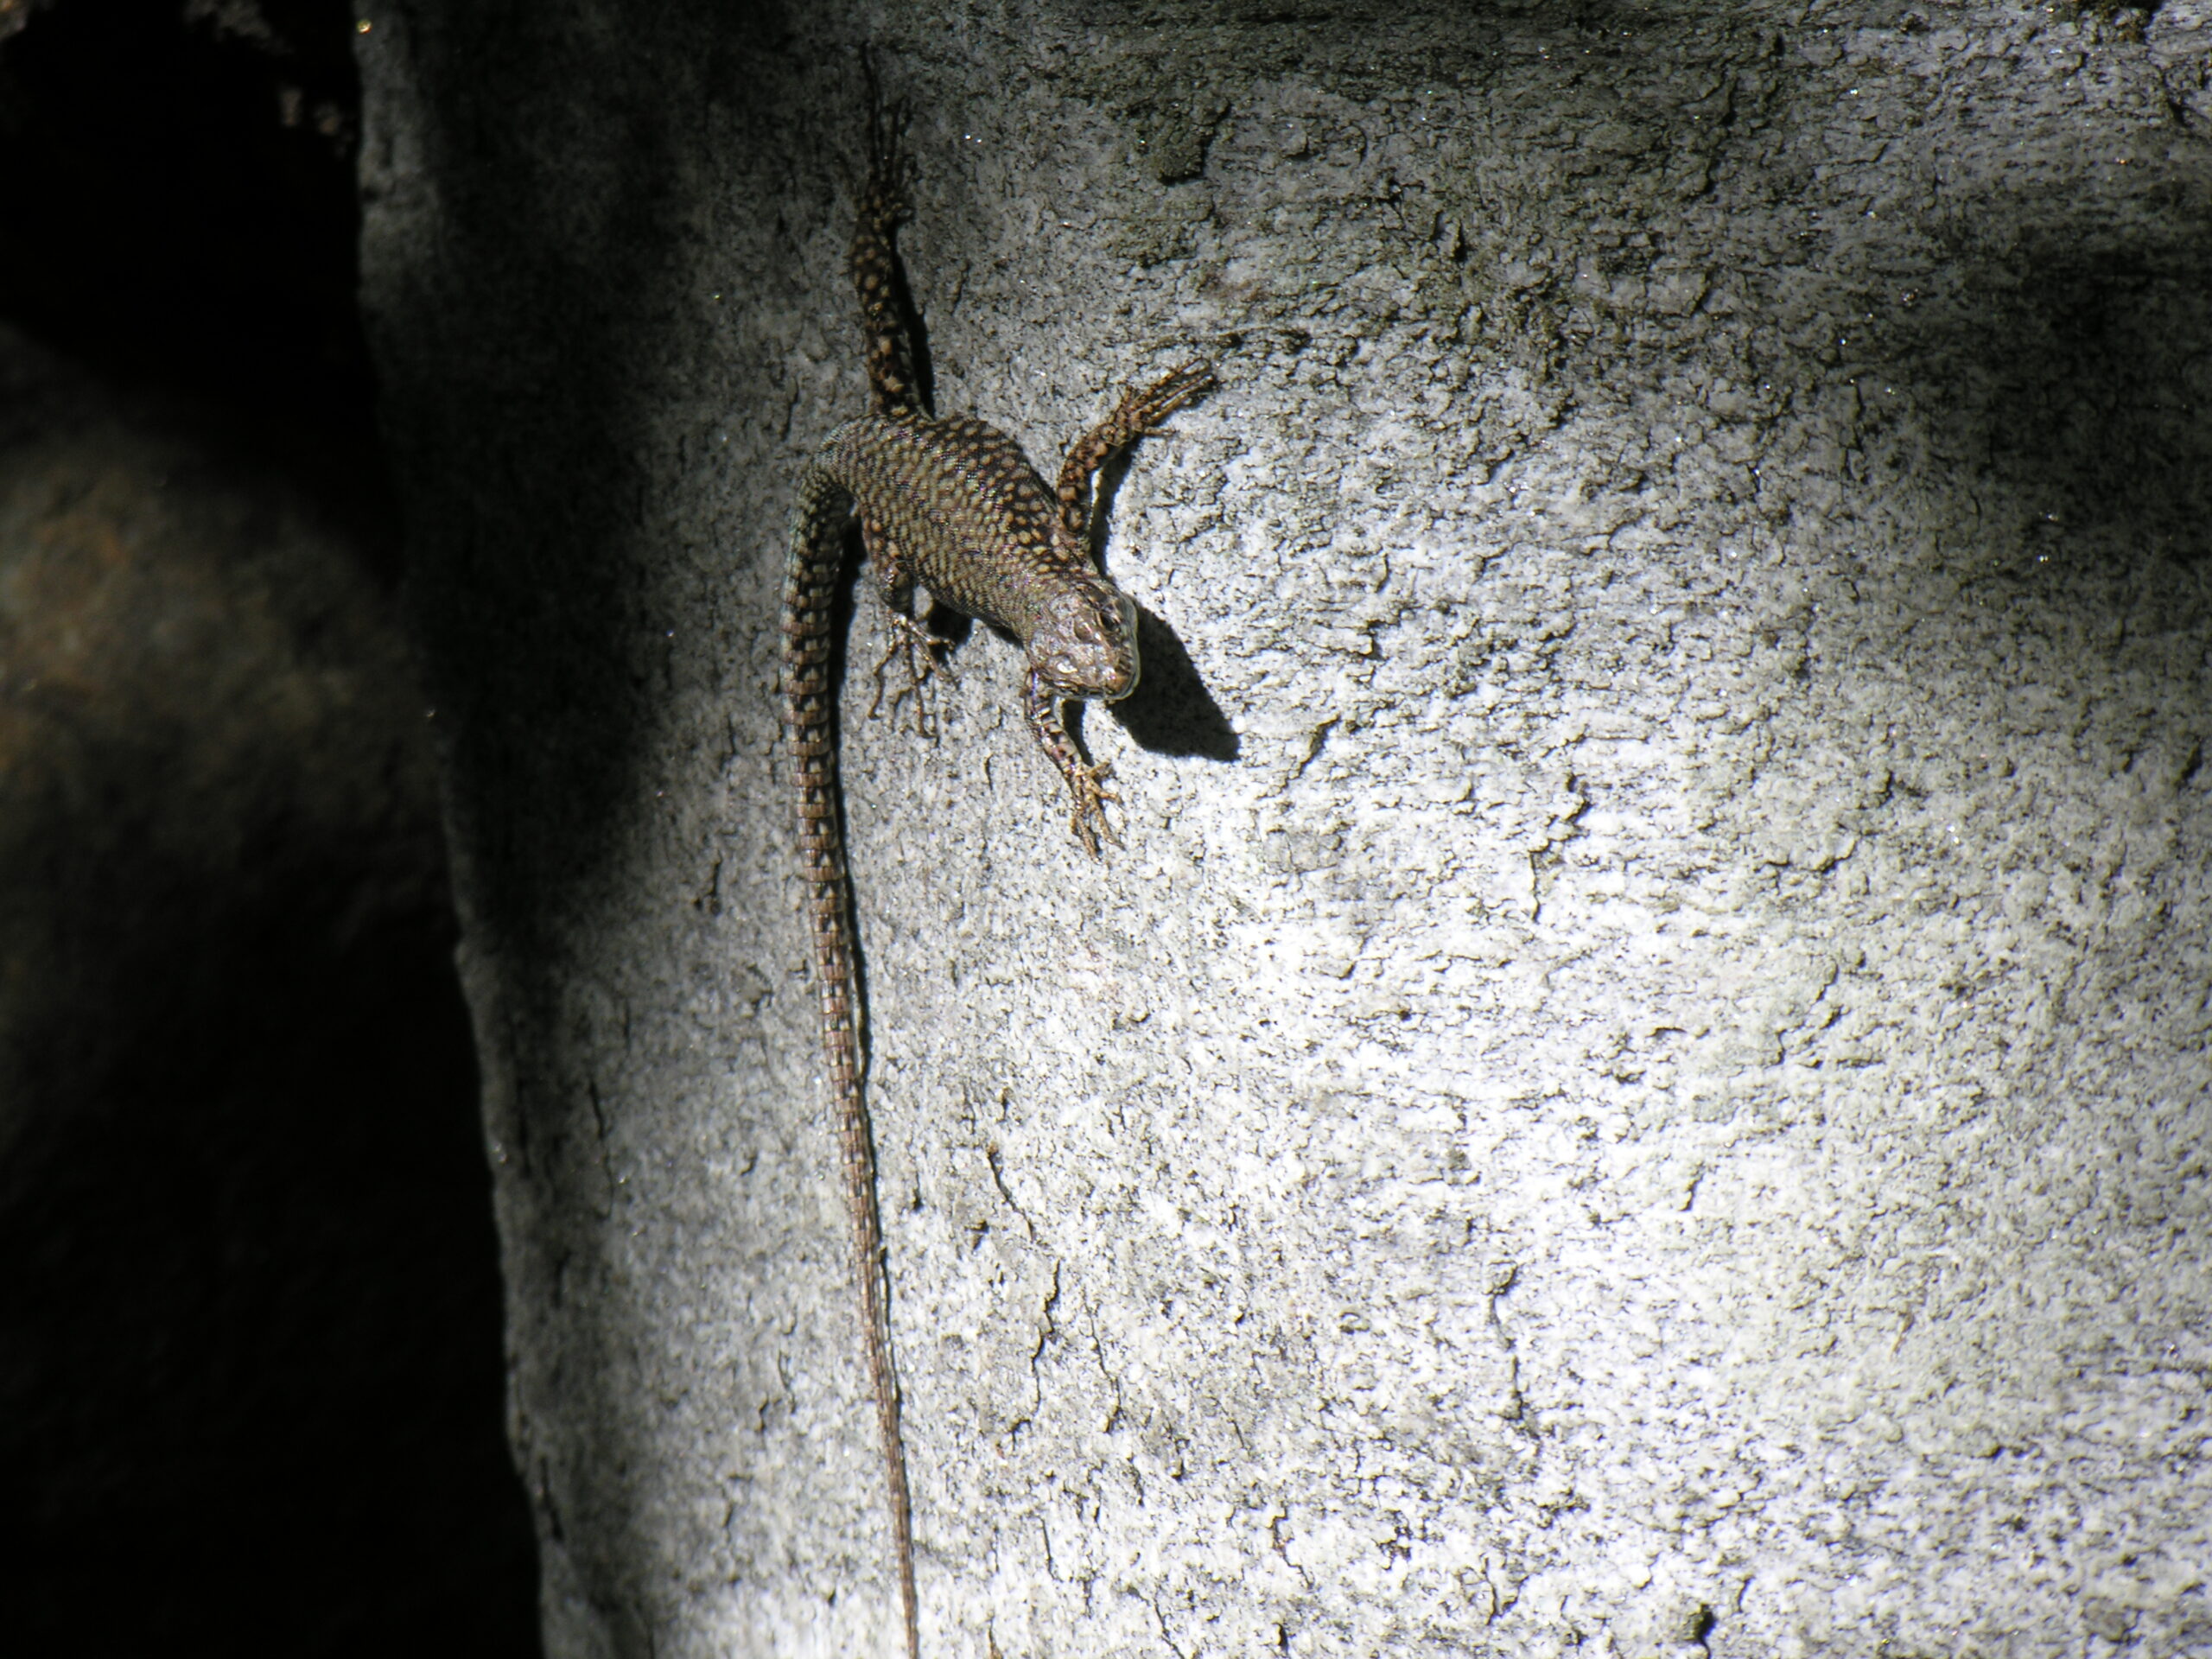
x=1654, y=1095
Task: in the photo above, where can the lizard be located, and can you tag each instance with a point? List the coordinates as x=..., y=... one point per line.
x=951, y=505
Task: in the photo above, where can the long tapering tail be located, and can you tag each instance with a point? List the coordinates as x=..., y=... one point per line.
x=809, y=716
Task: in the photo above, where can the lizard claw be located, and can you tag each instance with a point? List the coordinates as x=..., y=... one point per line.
x=1141, y=413
x=920, y=647
x=1089, y=819
x=1147, y=407
x=1086, y=782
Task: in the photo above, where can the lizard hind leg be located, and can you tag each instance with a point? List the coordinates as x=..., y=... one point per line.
x=910, y=636
x=895, y=374
x=1086, y=783
x=1139, y=412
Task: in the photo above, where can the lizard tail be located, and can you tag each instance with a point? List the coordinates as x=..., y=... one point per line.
x=809, y=716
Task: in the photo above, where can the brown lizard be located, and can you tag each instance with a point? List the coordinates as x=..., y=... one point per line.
x=952, y=506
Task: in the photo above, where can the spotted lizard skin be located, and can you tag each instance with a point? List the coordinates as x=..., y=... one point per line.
x=953, y=505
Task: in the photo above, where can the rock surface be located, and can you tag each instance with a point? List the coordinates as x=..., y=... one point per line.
x=1640, y=1084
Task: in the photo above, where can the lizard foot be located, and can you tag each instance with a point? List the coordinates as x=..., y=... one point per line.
x=1089, y=818
x=921, y=649
x=1143, y=408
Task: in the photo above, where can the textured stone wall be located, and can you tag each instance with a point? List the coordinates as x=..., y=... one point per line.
x=1639, y=1085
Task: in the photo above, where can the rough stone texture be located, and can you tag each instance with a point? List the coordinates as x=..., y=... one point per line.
x=1651, y=1100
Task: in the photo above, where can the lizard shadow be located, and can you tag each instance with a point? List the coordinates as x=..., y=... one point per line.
x=1171, y=712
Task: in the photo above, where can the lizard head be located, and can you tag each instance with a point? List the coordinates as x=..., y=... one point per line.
x=1085, y=643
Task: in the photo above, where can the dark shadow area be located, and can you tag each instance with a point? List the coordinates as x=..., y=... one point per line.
x=176, y=187
x=1171, y=712
x=250, y=1368
x=2064, y=354
x=2087, y=369
x=252, y=1397
x=518, y=435
x=522, y=333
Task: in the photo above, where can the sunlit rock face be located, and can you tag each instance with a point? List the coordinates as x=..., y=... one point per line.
x=1651, y=1098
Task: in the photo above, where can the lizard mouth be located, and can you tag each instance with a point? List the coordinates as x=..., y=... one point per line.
x=1123, y=684
x=1125, y=680
x=1106, y=682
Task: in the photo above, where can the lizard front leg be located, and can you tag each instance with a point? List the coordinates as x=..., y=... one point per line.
x=1085, y=781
